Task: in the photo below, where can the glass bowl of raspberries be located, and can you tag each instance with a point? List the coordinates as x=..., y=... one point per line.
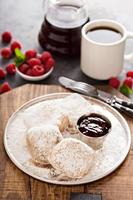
x=36, y=67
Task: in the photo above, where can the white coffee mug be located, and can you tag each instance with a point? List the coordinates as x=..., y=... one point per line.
x=103, y=60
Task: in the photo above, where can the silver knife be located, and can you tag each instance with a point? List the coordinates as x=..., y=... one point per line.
x=92, y=91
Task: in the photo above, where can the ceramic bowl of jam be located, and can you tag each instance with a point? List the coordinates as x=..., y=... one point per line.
x=93, y=129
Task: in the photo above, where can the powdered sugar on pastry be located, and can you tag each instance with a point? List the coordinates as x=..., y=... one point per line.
x=41, y=140
x=74, y=106
x=63, y=123
x=72, y=158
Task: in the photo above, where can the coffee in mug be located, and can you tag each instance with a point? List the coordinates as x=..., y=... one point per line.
x=103, y=34
x=102, y=48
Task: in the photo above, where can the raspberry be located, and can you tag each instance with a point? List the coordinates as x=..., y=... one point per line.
x=5, y=87
x=15, y=45
x=30, y=54
x=23, y=68
x=45, y=56
x=6, y=37
x=34, y=61
x=39, y=57
x=128, y=82
x=114, y=82
x=129, y=74
x=38, y=70
x=2, y=73
x=29, y=72
x=11, y=69
x=49, y=64
x=6, y=52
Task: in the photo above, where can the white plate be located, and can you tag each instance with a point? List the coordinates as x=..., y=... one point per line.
x=116, y=148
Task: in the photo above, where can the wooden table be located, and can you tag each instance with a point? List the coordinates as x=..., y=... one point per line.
x=15, y=185
x=24, y=20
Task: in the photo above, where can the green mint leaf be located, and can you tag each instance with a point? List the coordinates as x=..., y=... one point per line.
x=124, y=89
x=19, y=54
x=18, y=61
x=20, y=57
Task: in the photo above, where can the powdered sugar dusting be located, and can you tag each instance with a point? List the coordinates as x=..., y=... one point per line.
x=49, y=111
x=72, y=158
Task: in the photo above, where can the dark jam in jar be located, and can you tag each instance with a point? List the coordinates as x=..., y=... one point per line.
x=93, y=125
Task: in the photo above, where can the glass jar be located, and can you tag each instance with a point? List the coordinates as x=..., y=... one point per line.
x=61, y=30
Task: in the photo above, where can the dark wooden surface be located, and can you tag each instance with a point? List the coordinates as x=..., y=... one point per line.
x=24, y=17
x=15, y=185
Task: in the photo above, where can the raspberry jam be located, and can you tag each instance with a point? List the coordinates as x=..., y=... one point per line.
x=60, y=41
x=93, y=125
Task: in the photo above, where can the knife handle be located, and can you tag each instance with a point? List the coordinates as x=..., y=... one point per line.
x=124, y=103
x=125, y=110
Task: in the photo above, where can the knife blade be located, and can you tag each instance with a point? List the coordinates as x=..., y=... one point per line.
x=92, y=91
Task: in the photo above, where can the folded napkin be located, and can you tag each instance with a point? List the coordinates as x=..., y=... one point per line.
x=85, y=196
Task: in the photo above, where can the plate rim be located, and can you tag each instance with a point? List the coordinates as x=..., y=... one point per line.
x=75, y=182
